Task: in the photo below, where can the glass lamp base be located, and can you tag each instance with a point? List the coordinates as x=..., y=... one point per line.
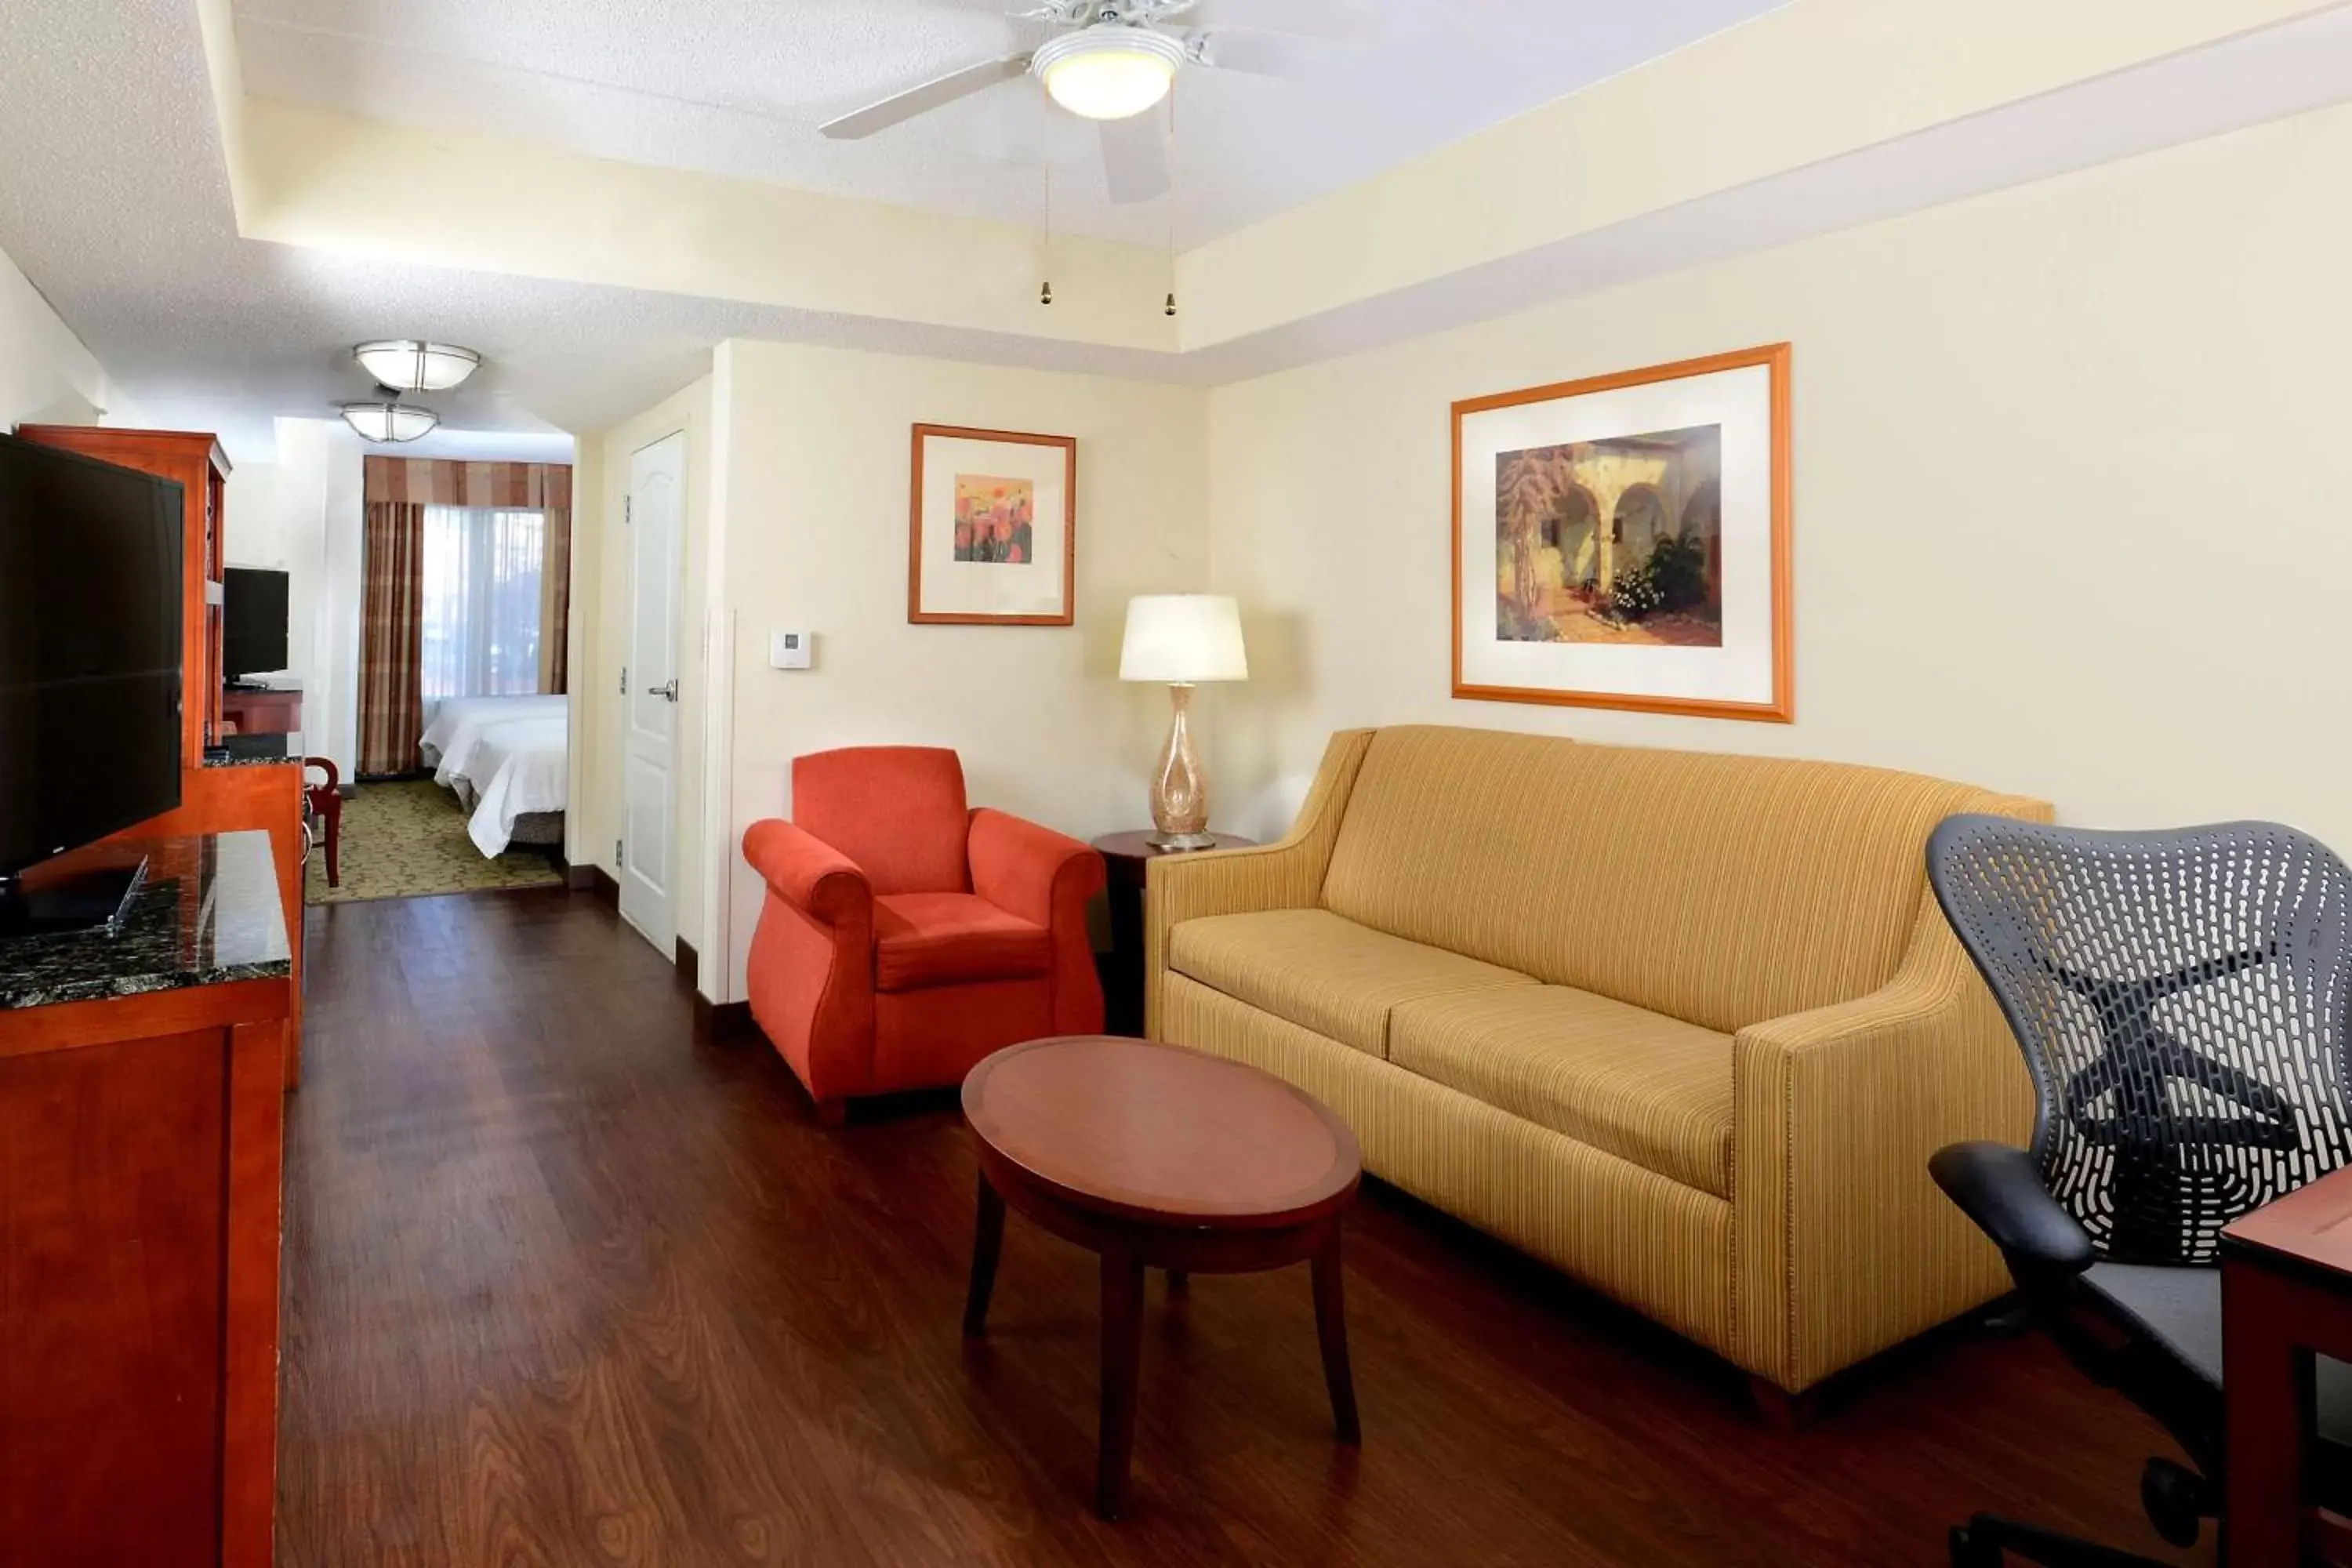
x=1182, y=841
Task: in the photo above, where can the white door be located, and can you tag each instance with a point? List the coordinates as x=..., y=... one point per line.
x=649, y=702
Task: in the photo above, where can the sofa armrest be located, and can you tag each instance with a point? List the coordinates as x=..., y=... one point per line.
x=1048, y=879
x=1844, y=1244
x=807, y=873
x=1287, y=874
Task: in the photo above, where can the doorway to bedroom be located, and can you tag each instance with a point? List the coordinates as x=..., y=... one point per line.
x=464, y=712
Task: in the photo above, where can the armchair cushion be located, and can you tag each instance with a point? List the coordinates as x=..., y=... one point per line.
x=896, y=811
x=952, y=939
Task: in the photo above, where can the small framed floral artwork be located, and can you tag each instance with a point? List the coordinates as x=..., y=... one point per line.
x=1623, y=542
x=992, y=534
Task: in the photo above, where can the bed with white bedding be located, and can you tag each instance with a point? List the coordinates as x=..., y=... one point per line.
x=505, y=760
x=457, y=724
x=522, y=773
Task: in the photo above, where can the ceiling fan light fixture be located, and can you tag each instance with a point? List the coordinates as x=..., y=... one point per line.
x=388, y=419
x=1109, y=72
x=408, y=364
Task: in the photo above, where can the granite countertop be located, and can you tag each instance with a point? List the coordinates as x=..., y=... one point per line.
x=208, y=913
x=253, y=751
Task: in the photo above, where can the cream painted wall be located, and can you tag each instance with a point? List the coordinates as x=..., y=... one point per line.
x=815, y=539
x=47, y=376
x=300, y=514
x=2054, y=530
x=600, y=590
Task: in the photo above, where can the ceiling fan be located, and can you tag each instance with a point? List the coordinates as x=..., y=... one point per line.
x=1107, y=60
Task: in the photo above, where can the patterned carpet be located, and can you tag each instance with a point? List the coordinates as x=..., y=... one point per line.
x=405, y=838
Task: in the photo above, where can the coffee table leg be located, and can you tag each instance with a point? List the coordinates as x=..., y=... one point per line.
x=1331, y=1328
x=1123, y=1363
x=987, y=1242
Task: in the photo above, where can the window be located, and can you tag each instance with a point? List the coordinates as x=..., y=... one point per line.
x=481, y=609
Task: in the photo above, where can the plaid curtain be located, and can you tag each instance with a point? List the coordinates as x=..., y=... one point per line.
x=397, y=490
x=555, y=602
x=392, y=637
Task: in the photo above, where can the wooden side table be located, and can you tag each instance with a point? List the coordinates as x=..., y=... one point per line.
x=1157, y=1157
x=1125, y=855
x=2287, y=1296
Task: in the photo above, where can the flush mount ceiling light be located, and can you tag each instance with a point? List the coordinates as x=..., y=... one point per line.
x=406, y=364
x=1111, y=70
x=388, y=419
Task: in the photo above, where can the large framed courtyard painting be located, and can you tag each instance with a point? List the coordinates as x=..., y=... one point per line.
x=1623, y=542
x=992, y=534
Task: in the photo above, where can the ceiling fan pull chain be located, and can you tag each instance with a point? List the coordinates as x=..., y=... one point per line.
x=1172, y=199
x=1045, y=254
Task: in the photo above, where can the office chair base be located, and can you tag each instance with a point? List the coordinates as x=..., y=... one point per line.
x=1990, y=1540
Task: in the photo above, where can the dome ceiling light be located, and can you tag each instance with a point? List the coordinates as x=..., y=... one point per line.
x=1108, y=71
x=387, y=419
x=407, y=365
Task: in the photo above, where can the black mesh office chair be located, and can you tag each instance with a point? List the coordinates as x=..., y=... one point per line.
x=2181, y=999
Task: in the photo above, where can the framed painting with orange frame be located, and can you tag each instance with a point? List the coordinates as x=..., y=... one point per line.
x=1623, y=541
x=992, y=532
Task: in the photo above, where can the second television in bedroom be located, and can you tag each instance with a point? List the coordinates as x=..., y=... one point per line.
x=253, y=622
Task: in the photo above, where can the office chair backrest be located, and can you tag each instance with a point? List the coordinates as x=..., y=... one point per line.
x=2182, y=1001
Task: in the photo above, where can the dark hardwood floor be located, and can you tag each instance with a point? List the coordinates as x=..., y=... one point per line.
x=567, y=1287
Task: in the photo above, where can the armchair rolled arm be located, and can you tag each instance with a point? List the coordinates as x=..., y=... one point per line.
x=807, y=873
x=1048, y=879
x=2001, y=1189
x=1032, y=871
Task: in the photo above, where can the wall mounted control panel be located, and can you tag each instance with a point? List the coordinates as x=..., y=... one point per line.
x=790, y=650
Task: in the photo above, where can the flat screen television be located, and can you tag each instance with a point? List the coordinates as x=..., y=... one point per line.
x=90, y=666
x=252, y=621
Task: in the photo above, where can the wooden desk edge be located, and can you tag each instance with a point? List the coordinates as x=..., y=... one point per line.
x=67, y=1026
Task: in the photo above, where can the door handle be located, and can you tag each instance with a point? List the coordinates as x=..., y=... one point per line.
x=667, y=691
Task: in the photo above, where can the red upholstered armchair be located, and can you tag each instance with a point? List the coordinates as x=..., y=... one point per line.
x=903, y=937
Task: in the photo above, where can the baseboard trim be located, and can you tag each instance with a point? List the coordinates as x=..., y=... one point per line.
x=689, y=963
x=721, y=1020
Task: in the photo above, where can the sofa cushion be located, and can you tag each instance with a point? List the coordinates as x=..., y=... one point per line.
x=1638, y=1085
x=1324, y=974
x=1722, y=890
x=952, y=939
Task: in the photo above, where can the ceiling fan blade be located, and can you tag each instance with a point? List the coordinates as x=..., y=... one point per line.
x=1260, y=54
x=1135, y=158
x=929, y=95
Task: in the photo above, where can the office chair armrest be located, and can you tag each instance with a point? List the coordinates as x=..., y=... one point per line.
x=1999, y=1188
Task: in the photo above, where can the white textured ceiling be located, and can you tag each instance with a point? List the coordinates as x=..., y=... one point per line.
x=739, y=87
x=114, y=202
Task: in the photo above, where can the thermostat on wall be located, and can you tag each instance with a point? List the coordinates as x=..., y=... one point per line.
x=788, y=650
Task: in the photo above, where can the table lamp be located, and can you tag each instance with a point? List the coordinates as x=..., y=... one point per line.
x=1182, y=639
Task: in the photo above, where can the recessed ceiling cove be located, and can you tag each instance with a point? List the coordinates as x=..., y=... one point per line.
x=739, y=87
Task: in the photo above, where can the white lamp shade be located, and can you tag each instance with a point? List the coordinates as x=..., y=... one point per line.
x=1108, y=71
x=1181, y=638
x=388, y=421
x=406, y=364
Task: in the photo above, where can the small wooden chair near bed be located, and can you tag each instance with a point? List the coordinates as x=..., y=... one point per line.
x=327, y=805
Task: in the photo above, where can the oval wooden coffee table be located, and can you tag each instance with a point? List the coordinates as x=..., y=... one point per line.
x=1159, y=1158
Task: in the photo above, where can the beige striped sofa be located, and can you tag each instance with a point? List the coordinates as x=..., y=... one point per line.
x=1686, y=1025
